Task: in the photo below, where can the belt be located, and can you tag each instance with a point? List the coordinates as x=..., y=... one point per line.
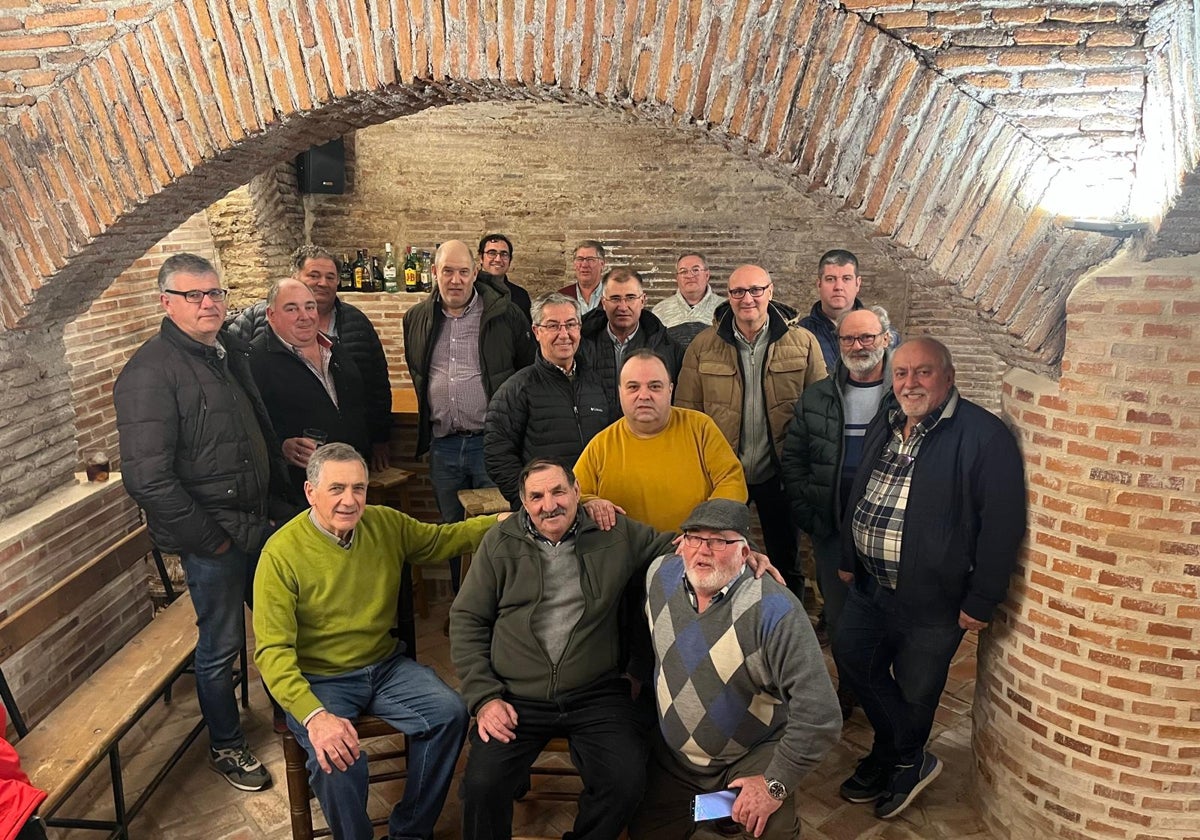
x=462, y=433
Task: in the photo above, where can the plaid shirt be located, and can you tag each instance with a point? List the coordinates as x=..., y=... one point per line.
x=878, y=521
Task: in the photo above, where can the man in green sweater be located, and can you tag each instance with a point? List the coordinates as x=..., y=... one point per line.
x=326, y=602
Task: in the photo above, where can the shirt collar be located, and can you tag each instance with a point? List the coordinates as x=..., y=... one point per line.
x=466, y=309
x=341, y=543
x=538, y=536
x=719, y=595
x=628, y=338
x=945, y=411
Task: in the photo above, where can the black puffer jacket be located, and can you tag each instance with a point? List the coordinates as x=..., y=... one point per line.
x=540, y=413
x=597, y=347
x=296, y=399
x=505, y=346
x=187, y=457
x=813, y=448
x=357, y=334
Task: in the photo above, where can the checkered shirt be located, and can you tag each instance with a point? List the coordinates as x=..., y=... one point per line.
x=878, y=520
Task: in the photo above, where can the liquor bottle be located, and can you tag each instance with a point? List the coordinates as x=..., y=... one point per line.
x=360, y=271
x=346, y=275
x=411, y=283
x=376, y=275
x=426, y=269
x=389, y=269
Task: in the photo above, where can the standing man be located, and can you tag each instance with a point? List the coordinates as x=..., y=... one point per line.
x=327, y=594
x=936, y=517
x=495, y=258
x=461, y=344
x=823, y=449
x=588, y=266
x=657, y=462
x=550, y=409
x=199, y=456
x=744, y=700
x=691, y=309
x=307, y=382
x=838, y=284
x=621, y=326
x=342, y=324
x=535, y=637
x=746, y=373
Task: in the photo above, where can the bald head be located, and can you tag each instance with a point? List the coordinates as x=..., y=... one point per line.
x=454, y=270
x=292, y=312
x=749, y=297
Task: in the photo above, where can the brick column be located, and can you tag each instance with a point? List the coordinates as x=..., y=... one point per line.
x=1087, y=712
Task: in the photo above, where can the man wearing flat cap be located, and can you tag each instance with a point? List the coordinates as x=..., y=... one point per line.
x=744, y=700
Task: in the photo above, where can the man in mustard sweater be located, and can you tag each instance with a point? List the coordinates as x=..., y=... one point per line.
x=326, y=602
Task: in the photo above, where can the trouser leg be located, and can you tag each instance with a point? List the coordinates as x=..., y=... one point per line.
x=779, y=534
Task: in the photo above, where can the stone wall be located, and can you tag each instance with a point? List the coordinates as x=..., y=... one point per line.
x=1087, y=709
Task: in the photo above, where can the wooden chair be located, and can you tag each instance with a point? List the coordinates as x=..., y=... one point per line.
x=480, y=503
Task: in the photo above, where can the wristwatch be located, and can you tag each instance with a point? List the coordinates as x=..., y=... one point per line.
x=776, y=790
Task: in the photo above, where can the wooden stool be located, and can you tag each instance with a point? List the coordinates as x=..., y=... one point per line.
x=480, y=502
x=390, y=487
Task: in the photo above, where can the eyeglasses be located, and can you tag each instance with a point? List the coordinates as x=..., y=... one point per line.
x=587, y=260
x=555, y=326
x=197, y=295
x=617, y=300
x=694, y=271
x=493, y=254
x=713, y=543
x=866, y=339
x=753, y=291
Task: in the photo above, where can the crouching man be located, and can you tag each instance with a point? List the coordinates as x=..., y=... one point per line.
x=326, y=602
x=744, y=700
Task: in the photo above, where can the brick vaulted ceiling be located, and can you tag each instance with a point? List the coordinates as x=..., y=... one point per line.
x=943, y=127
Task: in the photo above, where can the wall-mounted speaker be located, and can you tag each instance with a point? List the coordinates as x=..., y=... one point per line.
x=322, y=169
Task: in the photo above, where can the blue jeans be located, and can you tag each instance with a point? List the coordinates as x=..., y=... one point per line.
x=220, y=587
x=896, y=667
x=456, y=463
x=412, y=699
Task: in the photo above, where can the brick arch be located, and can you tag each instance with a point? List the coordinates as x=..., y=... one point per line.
x=176, y=111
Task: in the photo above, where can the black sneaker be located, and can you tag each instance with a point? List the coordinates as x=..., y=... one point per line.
x=240, y=768
x=907, y=781
x=869, y=781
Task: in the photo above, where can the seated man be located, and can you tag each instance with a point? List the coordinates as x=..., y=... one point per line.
x=307, y=382
x=326, y=602
x=535, y=638
x=744, y=700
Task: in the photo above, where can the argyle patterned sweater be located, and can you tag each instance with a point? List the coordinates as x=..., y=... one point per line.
x=747, y=670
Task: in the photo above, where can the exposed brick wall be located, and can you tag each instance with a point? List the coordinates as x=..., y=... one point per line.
x=647, y=190
x=37, y=549
x=1087, y=713
x=99, y=342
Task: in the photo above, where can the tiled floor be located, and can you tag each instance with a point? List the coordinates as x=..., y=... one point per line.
x=194, y=802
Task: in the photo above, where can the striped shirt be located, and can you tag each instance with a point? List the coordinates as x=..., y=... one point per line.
x=457, y=399
x=878, y=520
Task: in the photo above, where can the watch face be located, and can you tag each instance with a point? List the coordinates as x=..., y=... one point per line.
x=776, y=789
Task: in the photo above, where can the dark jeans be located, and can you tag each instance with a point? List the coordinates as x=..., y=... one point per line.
x=412, y=699
x=779, y=534
x=456, y=463
x=827, y=554
x=671, y=788
x=607, y=737
x=896, y=667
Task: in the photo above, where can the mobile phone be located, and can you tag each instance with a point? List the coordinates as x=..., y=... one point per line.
x=713, y=806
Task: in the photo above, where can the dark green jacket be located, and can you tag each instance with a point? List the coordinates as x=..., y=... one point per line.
x=505, y=346
x=813, y=449
x=492, y=642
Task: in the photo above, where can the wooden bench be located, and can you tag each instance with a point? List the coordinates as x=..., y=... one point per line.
x=86, y=728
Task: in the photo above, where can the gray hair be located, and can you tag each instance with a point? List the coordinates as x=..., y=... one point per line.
x=343, y=453
x=182, y=263
x=878, y=311
x=551, y=299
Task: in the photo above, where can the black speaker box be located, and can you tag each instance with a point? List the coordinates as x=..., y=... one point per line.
x=322, y=169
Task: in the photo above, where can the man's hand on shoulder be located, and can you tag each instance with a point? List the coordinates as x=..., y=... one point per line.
x=334, y=741
x=760, y=564
x=496, y=719
x=753, y=804
x=603, y=512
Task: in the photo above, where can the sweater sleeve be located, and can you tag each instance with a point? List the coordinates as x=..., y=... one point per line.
x=814, y=721
x=724, y=468
x=472, y=618
x=423, y=543
x=276, y=597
